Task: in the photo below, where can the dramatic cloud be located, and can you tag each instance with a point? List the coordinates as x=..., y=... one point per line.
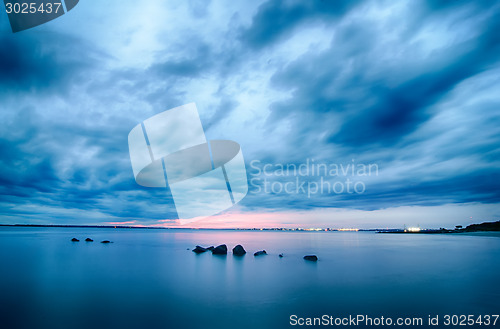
x=410, y=88
x=276, y=20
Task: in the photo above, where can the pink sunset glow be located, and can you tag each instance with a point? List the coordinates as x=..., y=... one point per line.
x=425, y=217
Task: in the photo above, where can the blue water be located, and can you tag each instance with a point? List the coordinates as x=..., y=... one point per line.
x=148, y=278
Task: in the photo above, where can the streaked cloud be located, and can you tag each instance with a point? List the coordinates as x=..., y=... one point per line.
x=410, y=86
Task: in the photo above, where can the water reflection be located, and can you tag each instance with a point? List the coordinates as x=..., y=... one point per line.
x=149, y=278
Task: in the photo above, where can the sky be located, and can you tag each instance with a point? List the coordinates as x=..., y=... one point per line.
x=395, y=104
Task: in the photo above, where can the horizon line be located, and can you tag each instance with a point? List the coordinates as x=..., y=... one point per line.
x=309, y=229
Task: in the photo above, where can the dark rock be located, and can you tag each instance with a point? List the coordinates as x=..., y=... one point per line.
x=280, y=255
x=199, y=250
x=259, y=253
x=220, y=250
x=211, y=248
x=75, y=240
x=89, y=240
x=106, y=241
x=239, y=250
x=311, y=258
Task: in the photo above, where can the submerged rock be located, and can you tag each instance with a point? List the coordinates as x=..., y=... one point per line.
x=89, y=240
x=239, y=250
x=280, y=255
x=106, y=241
x=312, y=258
x=75, y=240
x=199, y=250
x=259, y=253
x=220, y=250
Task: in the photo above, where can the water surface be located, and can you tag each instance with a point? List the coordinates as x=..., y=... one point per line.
x=148, y=278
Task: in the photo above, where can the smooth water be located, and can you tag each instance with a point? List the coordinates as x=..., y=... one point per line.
x=148, y=278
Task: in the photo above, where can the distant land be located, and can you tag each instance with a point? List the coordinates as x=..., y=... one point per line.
x=189, y=228
x=483, y=227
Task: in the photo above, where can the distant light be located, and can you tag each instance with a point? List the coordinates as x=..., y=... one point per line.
x=414, y=229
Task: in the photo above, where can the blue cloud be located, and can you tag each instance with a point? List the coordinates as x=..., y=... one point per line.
x=414, y=91
x=277, y=20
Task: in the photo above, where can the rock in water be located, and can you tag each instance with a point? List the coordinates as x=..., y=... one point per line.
x=211, y=248
x=89, y=240
x=259, y=253
x=311, y=258
x=106, y=241
x=220, y=250
x=75, y=240
x=280, y=255
x=199, y=250
x=239, y=250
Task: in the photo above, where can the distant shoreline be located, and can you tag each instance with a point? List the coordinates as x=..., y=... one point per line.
x=483, y=227
x=84, y=226
x=190, y=228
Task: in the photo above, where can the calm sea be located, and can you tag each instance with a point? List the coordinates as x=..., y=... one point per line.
x=149, y=278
